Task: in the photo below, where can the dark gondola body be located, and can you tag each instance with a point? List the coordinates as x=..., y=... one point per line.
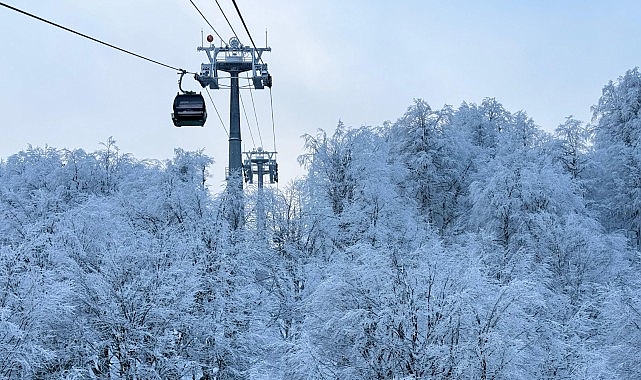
x=189, y=110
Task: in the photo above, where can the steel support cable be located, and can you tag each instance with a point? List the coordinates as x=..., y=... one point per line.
x=226, y=19
x=251, y=94
x=91, y=38
x=207, y=21
x=271, y=103
x=245, y=25
x=217, y=113
x=247, y=119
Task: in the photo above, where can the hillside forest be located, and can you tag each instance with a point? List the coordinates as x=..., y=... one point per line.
x=453, y=243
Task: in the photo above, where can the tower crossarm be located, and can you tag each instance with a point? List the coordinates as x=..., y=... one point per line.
x=235, y=58
x=260, y=163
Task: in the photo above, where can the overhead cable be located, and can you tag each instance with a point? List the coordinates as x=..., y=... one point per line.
x=271, y=103
x=247, y=120
x=207, y=21
x=260, y=137
x=245, y=25
x=226, y=19
x=217, y=113
x=89, y=37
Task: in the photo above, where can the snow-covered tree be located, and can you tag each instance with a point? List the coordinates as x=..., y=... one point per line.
x=575, y=140
x=452, y=244
x=617, y=157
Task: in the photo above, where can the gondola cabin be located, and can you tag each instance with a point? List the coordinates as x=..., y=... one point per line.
x=189, y=110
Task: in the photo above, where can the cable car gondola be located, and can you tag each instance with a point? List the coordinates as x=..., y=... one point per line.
x=189, y=110
x=189, y=107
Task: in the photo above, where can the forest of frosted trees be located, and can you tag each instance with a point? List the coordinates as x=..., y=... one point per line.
x=454, y=243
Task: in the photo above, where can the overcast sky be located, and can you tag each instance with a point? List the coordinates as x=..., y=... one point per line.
x=358, y=61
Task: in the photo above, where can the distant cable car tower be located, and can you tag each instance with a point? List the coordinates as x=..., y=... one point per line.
x=234, y=59
x=260, y=163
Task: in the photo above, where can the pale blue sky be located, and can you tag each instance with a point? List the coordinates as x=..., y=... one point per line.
x=359, y=61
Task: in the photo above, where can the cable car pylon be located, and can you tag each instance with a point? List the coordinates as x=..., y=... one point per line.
x=234, y=59
x=260, y=163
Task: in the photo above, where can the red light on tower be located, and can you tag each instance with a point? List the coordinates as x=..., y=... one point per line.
x=210, y=38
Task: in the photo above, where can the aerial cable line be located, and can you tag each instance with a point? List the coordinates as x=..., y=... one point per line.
x=245, y=25
x=247, y=119
x=251, y=93
x=271, y=103
x=207, y=21
x=91, y=38
x=217, y=113
x=226, y=19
